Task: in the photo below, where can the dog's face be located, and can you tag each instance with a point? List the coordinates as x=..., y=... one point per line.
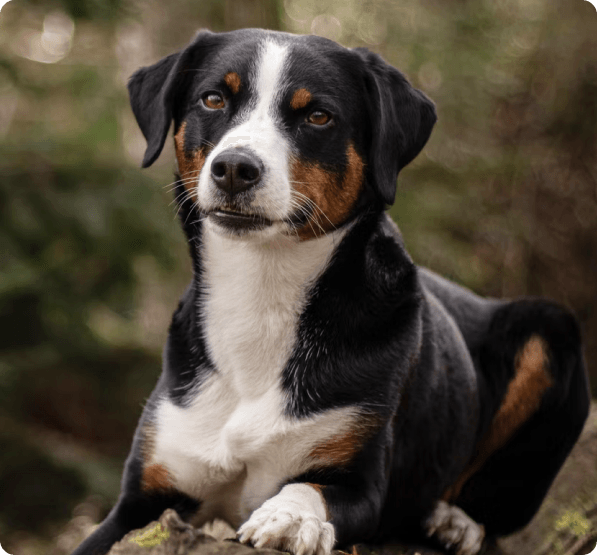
x=280, y=134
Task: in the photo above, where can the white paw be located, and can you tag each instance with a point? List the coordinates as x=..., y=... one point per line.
x=293, y=520
x=455, y=529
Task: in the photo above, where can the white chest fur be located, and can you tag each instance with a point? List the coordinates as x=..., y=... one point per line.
x=232, y=447
x=254, y=294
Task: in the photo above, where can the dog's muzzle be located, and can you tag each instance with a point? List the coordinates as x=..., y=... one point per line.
x=235, y=171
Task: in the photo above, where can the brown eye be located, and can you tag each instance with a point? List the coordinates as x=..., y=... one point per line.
x=214, y=101
x=318, y=117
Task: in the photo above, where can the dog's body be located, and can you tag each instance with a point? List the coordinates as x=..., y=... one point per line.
x=319, y=389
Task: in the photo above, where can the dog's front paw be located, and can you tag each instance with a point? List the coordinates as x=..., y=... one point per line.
x=293, y=520
x=455, y=529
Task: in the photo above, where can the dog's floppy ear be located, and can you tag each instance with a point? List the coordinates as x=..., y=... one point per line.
x=402, y=118
x=152, y=91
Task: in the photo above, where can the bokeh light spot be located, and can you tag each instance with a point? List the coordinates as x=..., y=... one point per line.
x=326, y=26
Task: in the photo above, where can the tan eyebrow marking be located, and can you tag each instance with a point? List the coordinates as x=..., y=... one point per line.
x=232, y=79
x=300, y=99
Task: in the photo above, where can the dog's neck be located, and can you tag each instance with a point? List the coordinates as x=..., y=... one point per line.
x=253, y=295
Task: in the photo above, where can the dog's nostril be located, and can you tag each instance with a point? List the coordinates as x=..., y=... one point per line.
x=218, y=169
x=236, y=170
x=248, y=172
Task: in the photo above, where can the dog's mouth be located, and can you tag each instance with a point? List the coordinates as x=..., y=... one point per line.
x=239, y=221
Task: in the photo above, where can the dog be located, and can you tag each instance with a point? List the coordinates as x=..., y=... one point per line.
x=318, y=388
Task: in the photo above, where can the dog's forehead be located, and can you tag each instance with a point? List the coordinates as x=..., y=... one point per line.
x=243, y=58
x=323, y=66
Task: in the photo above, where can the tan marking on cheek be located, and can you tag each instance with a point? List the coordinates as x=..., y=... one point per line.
x=179, y=138
x=523, y=398
x=300, y=99
x=156, y=477
x=311, y=181
x=332, y=194
x=189, y=163
x=353, y=178
x=232, y=79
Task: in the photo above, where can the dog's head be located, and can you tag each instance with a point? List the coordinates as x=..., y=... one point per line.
x=278, y=133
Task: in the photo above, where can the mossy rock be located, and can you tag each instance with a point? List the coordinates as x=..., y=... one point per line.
x=171, y=536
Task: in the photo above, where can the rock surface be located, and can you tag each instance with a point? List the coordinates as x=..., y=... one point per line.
x=171, y=536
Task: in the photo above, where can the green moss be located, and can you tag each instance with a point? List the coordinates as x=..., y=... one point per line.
x=574, y=522
x=156, y=535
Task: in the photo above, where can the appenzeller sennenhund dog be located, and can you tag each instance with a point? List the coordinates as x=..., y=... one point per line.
x=318, y=388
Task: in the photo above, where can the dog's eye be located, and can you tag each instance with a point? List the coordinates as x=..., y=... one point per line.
x=317, y=117
x=214, y=101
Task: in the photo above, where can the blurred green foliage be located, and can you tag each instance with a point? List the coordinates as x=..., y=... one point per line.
x=503, y=199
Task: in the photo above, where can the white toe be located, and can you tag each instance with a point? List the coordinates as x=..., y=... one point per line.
x=455, y=529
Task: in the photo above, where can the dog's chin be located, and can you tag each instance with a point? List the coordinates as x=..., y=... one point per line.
x=239, y=222
x=237, y=225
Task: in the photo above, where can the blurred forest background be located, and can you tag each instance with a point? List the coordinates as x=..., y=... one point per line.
x=503, y=199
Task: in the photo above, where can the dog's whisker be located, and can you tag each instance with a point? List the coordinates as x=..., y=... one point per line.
x=173, y=190
x=314, y=205
x=309, y=215
x=208, y=143
x=180, y=204
x=197, y=221
x=181, y=197
x=172, y=186
x=187, y=173
x=191, y=171
x=194, y=206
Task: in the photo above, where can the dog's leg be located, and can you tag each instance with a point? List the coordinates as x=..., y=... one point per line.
x=322, y=509
x=111, y=530
x=295, y=520
x=134, y=509
x=454, y=529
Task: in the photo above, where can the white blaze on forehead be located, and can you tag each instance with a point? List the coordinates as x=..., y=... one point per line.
x=270, y=77
x=258, y=129
x=260, y=119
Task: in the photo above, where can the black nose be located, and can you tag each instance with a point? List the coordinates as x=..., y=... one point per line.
x=236, y=170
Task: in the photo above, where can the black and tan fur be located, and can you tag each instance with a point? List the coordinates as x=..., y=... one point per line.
x=392, y=394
